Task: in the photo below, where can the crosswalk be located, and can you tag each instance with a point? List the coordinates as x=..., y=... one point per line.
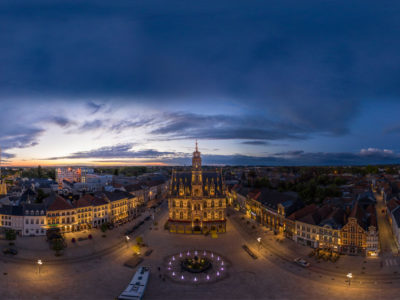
x=391, y=262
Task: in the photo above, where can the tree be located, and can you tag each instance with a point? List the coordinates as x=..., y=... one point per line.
x=39, y=172
x=40, y=196
x=116, y=172
x=11, y=234
x=139, y=240
x=58, y=245
x=104, y=227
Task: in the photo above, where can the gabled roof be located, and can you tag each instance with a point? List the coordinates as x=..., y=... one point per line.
x=59, y=203
x=99, y=199
x=117, y=195
x=34, y=207
x=309, y=209
x=84, y=201
x=11, y=210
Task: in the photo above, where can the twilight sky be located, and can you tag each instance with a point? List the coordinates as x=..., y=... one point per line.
x=257, y=82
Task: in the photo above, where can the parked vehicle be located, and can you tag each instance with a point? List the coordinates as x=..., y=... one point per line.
x=11, y=251
x=302, y=262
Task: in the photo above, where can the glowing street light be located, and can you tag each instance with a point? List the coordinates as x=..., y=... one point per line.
x=349, y=276
x=259, y=243
x=127, y=238
x=39, y=262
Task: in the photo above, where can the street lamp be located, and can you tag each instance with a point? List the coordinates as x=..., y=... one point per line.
x=39, y=262
x=127, y=241
x=259, y=243
x=349, y=276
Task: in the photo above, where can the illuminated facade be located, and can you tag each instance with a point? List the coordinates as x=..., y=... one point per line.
x=197, y=200
x=71, y=175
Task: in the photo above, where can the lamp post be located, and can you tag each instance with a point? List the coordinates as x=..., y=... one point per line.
x=39, y=262
x=127, y=238
x=259, y=243
x=349, y=276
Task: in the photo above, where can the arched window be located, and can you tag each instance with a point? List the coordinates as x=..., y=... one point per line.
x=220, y=203
x=220, y=214
x=205, y=215
x=212, y=203
x=181, y=204
x=181, y=215
x=205, y=204
x=173, y=203
x=173, y=215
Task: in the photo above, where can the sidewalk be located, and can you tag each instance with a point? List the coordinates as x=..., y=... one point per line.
x=289, y=250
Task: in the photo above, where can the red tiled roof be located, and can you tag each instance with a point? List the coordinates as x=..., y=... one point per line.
x=84, y=201
x=60, y=203
x=309, y=209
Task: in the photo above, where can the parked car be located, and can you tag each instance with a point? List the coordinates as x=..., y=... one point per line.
x=302, y=262
x=11, y=251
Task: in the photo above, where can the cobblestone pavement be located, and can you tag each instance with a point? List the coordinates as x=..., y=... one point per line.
x=386, y=239
x=268, y=277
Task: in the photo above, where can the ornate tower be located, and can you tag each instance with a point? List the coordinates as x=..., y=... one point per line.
x=197, y=178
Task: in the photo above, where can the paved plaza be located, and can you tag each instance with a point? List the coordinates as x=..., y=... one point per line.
x=271, y=276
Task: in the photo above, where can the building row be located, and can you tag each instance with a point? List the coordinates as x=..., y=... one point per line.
x=343, y=225
x=88, y=211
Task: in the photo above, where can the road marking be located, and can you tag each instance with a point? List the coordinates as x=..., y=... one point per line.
x=391, y=262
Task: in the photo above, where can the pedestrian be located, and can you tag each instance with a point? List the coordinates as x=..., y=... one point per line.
x=159, y=269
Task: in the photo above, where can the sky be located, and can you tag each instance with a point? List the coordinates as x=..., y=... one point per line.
x=256, y=82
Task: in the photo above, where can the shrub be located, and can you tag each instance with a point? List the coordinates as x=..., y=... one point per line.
x=103, y=227
x=90, y=237
x=73, y=240
x=139, y=240
x=166, y=225
x=58, y=245
x=11, y=234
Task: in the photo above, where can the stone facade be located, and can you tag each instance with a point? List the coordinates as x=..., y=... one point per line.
x=197, y=201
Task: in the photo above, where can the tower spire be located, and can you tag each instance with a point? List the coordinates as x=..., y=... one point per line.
x=197, y=149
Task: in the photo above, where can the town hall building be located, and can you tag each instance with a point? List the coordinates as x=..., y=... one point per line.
x=197, y=200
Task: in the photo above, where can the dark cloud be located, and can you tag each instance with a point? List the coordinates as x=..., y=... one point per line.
x=301, y=158
x=307, y=63
x=94, y=107
x=61, y=121
x=91, y=125
x=5, y=156
x=123, y=152
x=393, y=129
x=224, y=127
x=122, y=125
x=19, y=137
x=117, y=151
x=255, y=143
